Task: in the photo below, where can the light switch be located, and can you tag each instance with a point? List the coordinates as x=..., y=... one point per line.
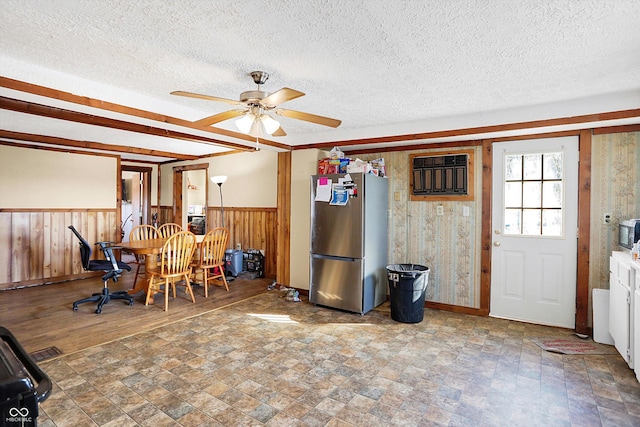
x=465, y=211
x=396, y=196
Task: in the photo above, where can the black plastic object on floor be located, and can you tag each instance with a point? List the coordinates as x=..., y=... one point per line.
x=22, y=384
x=407, y=288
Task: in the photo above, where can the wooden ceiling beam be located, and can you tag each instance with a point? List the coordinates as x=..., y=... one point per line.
x=480, y=130
x=135, y=112
x=77, y=117
x=53, y=140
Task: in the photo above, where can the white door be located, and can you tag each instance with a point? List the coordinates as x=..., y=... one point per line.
x=534, y=226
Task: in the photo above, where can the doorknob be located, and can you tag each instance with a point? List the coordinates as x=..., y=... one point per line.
x=497, y=231
x=496, y=243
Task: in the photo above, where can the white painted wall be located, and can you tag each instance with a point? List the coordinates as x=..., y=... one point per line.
x=54, y=180
x=252, y=179
x=195, y=196
x=304, y=163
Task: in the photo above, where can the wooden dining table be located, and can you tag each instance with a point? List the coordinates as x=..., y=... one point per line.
x=149, y=248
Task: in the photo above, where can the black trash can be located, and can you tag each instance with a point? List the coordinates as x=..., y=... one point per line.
x=22, y=384
x=407, y=288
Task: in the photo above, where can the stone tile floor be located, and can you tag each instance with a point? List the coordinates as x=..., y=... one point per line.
x=266, y=361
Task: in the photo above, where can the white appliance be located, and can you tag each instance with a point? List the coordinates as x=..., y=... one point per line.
x=348, y=242
x=622, y=305
x=601, y=317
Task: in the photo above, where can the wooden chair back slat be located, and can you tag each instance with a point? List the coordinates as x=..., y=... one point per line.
x=177, y=253
x=213, y=247
x=143, y=232
x=169, y=229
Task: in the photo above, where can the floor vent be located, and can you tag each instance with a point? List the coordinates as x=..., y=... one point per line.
x=44, y=354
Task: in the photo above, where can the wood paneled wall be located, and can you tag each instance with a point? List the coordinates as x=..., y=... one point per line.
x=254, y=228
x=165, y=214
x=37, y=247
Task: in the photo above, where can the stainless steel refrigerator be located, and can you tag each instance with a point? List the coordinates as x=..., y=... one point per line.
x=349, y=242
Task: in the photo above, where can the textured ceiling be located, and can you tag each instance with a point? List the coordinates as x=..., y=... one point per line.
x=383, y=68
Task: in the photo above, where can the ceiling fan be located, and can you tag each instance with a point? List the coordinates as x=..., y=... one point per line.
x=256, y=104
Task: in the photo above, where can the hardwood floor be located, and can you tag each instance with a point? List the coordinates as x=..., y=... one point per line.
x=42, y=316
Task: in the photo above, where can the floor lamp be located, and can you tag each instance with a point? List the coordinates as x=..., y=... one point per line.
x=220, y=179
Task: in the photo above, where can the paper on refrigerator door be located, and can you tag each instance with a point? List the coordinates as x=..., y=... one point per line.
x=323, y=189
x=339, y=195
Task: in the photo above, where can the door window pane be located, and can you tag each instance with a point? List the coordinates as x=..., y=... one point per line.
x=552, y=222
x=513, y=194
x=552, y=166
x=552, y=194
x=512, y=221
x=531, y=222
x=533, y=194
x=513, y=168
x=532, y=166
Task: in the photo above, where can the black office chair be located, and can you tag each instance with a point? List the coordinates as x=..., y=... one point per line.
x=112, y=268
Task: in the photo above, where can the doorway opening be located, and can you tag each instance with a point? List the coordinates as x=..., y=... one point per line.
x=190, y=197
x=136, y=198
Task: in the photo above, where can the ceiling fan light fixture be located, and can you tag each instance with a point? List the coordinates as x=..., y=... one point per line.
x=256, y=130
x=270, y=125
x=245, y=122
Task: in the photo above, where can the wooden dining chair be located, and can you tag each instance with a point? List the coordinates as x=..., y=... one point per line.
x=174, y=266
x=141, y=232
x=168, y=229
x=210, y=260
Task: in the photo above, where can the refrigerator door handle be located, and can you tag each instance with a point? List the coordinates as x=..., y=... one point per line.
x=337, y=258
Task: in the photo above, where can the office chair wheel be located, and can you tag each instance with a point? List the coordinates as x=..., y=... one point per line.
x=98, y=310
x=75, y=307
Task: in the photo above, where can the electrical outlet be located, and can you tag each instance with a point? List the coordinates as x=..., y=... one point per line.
x=439, y=210
x=606, y=219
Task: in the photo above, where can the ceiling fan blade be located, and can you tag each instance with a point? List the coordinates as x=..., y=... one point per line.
x=278, y=97
x=279, y=132
x=207, y=97
x=216, y=118
x=325, y=121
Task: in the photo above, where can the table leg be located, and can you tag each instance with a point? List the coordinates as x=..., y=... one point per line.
x=143, y=285
x=150, y=263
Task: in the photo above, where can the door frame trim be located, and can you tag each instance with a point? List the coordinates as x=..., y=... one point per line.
x=146, y=189
x=177, y=190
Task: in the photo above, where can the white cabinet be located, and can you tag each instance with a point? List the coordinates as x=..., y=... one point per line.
x=621, y=304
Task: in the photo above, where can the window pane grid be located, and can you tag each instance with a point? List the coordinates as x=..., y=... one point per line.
x=533, y=194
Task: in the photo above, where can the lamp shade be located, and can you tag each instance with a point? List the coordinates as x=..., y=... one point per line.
x=218, y=179
x=270, y=125
x=245, y=122
x=250, y=124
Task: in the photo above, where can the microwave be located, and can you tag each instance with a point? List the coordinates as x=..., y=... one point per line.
x=628, y=233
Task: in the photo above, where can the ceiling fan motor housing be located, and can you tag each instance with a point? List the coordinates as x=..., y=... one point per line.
x=253, y=96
